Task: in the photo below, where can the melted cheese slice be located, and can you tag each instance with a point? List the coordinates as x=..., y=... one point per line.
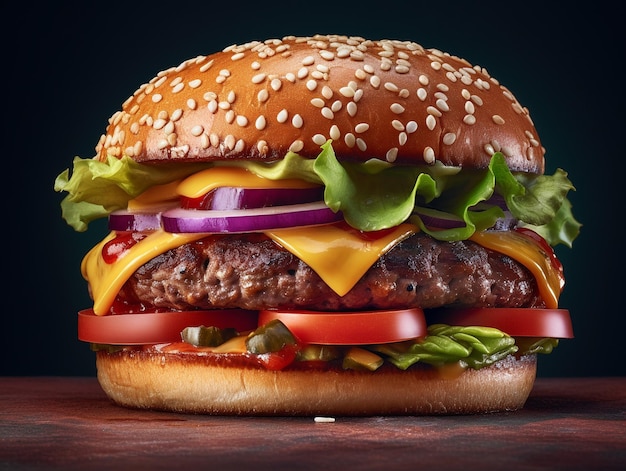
x=107, y=279
x=204, y=181
x=530, y=255
x=339, y=256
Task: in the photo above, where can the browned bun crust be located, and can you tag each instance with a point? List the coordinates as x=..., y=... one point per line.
x=387, y=99
x=196, y=384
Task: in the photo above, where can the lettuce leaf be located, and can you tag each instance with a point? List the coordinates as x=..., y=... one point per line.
x=372, y=195
x=475, y=347
x=96, y=188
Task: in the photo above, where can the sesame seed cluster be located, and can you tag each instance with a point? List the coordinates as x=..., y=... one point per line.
x=387, y=99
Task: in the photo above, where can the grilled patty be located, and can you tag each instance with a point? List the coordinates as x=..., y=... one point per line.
x=250, y=271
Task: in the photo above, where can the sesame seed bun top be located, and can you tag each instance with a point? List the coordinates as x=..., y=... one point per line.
x=393, y=100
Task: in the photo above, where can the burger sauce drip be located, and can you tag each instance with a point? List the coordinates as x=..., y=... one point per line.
x=117, y=247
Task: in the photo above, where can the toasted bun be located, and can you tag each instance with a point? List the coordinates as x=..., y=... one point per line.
x=386, y=99
x=195, y=384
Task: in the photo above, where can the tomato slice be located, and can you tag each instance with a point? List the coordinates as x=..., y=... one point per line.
x=157, y=327
x=350, y=328
x=517, y=322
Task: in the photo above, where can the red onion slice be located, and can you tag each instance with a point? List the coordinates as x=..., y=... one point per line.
x=228, y=197
x=248, y=220
x=123, y=220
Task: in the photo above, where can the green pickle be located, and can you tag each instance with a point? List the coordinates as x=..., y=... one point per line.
x=201, y=336
x=271, y=337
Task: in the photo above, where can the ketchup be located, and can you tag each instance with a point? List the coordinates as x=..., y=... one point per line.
x=122, y=242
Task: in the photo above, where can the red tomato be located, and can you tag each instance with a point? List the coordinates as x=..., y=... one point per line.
x=157, y=327
x=350, y=328
x=517, y=322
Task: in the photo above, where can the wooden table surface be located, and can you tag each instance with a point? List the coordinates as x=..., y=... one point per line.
x=49, y=423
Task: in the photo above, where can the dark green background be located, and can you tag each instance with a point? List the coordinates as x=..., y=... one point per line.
x=68, y=67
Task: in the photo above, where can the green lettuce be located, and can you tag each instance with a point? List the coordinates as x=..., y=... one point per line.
x=372, y=195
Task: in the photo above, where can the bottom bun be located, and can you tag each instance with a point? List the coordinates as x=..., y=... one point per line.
x=148, y=379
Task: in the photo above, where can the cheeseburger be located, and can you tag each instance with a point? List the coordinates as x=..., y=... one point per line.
x=321, y=225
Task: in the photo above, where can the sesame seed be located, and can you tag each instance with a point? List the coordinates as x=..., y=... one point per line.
x=231, y=97
x=497, y=119
x=392, y=87
x=348, y=92
x=477, y=100
x=297, y=121
x=191, y=104
x=391, y=154
x=276, y=84
x=469, y=107
x=195, y=83
x=236, y=57
x=319, y=139
x=197, y=130
x=360, y=143
x=159, y=123
x=442, y=105
x=449, y=138
x=255, y=65
x=361, y=128
x=242, y=121
x=397, y=108
x=296, y=146
x=402, y=138
x=262, y=147
x=308, y=60
x=360, y=74
x=411, y=127
x=240, y=145
x=230, y=116
x=229, y=141
x=375, y=81
x=351, y=108
x=327, y=92
x=282, y=116
x=260, y=123
x=335, y=134
x=431, y=110
x=258, y=78
x=262, y=96
x=422, y=94
x=215, y=139
x=157, y=97
x=176, y=114
x=212, y=106
x=311, y=84
x=489, y=149
x=469, y=119
x=350, y=140
x=327, y=55
x=328, y=113
x=206, y=66
x=204, y=141
x=397, y=125
x=318, y=102
x=429, y=155
x=431, y=122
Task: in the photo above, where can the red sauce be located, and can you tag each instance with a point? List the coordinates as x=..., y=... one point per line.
x=122, y=242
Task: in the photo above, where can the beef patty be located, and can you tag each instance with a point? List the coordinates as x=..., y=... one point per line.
x=251, y=271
